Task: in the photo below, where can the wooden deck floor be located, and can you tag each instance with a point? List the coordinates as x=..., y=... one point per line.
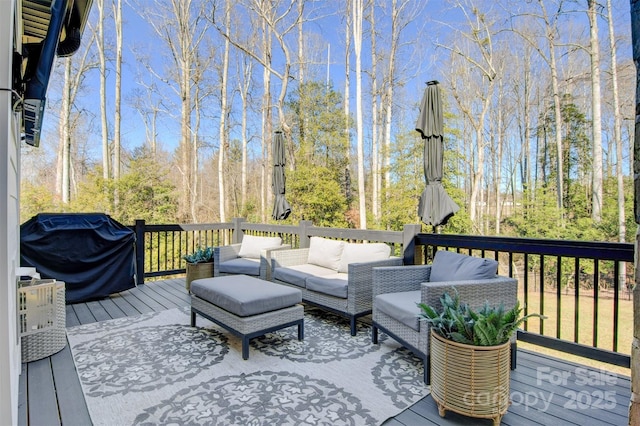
x=544, y=390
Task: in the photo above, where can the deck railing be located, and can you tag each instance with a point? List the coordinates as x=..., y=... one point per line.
x=581, y=287
x=159, y=248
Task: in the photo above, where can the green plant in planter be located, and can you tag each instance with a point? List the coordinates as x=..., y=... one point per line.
x=489, y=326
x=201, y=255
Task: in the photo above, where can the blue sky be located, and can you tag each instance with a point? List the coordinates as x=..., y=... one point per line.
x=436, y=20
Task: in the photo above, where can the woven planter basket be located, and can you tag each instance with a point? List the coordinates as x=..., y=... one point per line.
x=195, y=271
x=470, y=380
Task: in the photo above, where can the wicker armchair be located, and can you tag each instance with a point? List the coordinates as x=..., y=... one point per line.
x=358, y=299
x=242, y=265
x=408, y=285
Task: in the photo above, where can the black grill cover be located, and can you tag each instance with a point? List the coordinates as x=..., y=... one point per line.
x=92, y=253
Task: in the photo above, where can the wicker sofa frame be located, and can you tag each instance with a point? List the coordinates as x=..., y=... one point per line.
x=416, y=277
x=359, y=286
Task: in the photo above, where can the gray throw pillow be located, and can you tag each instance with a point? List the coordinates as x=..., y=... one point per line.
x=451, y=266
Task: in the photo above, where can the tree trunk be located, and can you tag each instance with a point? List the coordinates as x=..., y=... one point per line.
x=347, y=84
x=358, y=12
x=223, y=115
x=267, y=129
x=617, y=136
x=65, y=124
x=634, y=407
x=245, y=88
x=391, y=70
x=376, y=177
x=596, y=122
x=301, y=59
x=498, y=168
x=551, y=60
x=103, y=90
x=117, y=103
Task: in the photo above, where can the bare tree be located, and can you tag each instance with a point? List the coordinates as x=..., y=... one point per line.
x=347, y=80
x=301, y=61
x=147, y=102
x=75, y=71
x=358, y=16
x=550, y=25
x=478, y=60
x=223, y=114
x=596, y=122
x=267, y=119
x=376, y=134
x=64, y=147
x=634, y=406
x=117, y=119
x=100, y=44
x=276, y=24
x=181, y=27
x=245, y=83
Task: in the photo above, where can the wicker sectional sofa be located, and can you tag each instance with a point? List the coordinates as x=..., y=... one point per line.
x=334, y=275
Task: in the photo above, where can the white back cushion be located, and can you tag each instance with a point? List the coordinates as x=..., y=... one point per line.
x=359, y=253
x=325, y=252
x=252, y=245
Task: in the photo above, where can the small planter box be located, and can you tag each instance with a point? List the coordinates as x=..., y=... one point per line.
x=195, y=271
x=41, y=318
x=470, y=380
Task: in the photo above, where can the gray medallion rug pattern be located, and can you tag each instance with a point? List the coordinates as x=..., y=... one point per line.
x=156, y=369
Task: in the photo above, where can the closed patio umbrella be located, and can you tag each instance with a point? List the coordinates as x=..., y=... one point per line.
x=281, y=208
x=435, y=207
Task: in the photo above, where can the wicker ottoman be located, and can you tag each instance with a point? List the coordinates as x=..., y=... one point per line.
x=246, y=306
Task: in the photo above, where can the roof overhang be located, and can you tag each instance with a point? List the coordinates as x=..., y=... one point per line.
x=44, y=29
x=36, y=17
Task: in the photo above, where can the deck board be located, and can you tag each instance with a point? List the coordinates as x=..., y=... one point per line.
x=22, y=397
x=72, y=318
x=129, y=297
x=41, y=394
x=50, y=391
x=125, y=305
x=111, y=308
x=73, y=408
x=83, y=313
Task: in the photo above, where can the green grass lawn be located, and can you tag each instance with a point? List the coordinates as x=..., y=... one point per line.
x=585, y=323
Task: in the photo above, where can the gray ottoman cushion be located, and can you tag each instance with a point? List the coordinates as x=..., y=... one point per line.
x=245, y=296
x=240, y=265
x=402, y=306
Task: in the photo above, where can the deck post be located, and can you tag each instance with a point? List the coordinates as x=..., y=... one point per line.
x=410, y=255
x=303, y=234
x=238, y=233
x=139, y=251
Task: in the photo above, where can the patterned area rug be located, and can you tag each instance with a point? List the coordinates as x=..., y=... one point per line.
x=156, y=369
